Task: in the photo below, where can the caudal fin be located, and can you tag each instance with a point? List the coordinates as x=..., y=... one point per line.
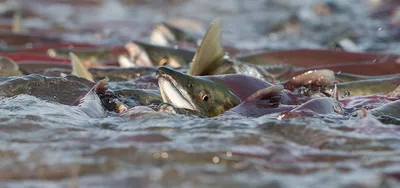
x=210, y=52
x=78, y=69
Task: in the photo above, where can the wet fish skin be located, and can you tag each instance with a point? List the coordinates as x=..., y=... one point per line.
x=200, y=94
x=225, y=91
x=91, y=104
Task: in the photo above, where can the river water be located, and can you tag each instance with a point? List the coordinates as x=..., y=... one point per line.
x=45, y=143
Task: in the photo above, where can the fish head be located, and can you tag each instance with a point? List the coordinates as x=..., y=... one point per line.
x=195, y=93
x=161, y=55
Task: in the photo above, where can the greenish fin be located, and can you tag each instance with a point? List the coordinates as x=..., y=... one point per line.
x=210, y=52
x=78, y=68
x=8, y=67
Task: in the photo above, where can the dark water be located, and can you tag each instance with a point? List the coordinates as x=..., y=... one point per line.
x=45, y=142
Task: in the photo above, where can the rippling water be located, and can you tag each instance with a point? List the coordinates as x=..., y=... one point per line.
x=46, y=143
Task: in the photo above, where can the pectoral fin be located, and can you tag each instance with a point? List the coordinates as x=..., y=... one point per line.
x=210, y=52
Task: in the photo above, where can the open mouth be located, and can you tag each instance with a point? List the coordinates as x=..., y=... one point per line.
x=173, y=93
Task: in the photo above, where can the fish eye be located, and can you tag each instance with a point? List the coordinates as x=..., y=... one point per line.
x=205, y=95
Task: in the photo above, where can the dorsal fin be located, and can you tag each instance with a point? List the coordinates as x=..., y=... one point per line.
x=8, y=67
x=91, y=104
x=210, y=51
x=17, y=21
x=270, y=95
x=78, y=69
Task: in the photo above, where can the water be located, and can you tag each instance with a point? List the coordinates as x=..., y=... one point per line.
x=44, y=142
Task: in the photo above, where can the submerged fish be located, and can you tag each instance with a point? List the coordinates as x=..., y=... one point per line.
x=367, y=87
x=64, y=90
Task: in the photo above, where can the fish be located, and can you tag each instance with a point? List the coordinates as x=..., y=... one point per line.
x=44, y=48
x=139, y=97
x=264, y=101
x=366, y=87
x=345, y=77
x=313, y=57
x=389, y=109
x=94, y=55
x=297, y=61
x=8, y=67
x=17, y=57
x=208, y=95
x=64, y=90
x=166, y=34
x=144, y=54
x=313, y=78
x=25, y=38
x=56, y=68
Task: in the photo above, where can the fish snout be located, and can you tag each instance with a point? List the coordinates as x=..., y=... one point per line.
x=167, y=72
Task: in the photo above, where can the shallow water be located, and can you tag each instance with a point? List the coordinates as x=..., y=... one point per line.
x=45, y=142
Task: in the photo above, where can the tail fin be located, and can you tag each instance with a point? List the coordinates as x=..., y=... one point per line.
x=78, y=69
x=210, y=51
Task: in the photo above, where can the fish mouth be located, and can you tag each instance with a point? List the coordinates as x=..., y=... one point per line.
x=173, y=93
